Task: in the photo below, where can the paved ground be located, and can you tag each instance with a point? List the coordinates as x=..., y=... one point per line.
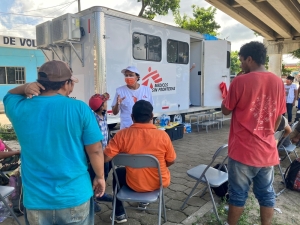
x=195, y=148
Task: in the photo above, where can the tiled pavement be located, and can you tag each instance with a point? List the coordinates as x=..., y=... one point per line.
x=195, y=148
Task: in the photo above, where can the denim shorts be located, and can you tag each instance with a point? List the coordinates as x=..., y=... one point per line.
x=240, y=177
x=79, y=215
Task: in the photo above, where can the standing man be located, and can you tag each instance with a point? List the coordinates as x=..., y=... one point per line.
x=53, y=130
x=128, y=94
x=291, y=92
x=256, y=100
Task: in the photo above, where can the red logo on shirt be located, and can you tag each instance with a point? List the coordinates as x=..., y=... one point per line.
x=151, y=78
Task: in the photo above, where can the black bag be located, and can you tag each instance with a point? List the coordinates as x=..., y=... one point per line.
x=10, y=163
x=221, y=191
x=292, y=175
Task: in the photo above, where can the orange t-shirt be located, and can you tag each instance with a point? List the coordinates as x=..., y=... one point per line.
x=256, y=100
x=142, y=138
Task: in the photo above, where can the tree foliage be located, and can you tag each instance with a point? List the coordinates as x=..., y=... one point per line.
x=151, y=8
x=234, y=62
x=285, y=71
x=203, y=21
x=296, y=54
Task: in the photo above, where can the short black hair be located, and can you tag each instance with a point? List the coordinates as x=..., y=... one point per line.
x=290, y=78
x=256, y=50
x=142, y=111
x=52, y=86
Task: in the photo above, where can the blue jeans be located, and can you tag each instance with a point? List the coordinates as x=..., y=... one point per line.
x=79, y=215
x=289, y=110
x=240, y=177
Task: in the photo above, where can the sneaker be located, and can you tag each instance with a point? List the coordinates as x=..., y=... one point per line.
x=97, y=208
x=119, y=219
x=143, y=205
x=104, y=198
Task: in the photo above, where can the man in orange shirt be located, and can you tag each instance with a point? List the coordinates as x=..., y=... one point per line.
x=142, y=137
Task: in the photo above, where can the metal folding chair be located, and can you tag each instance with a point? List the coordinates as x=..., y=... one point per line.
x=6, y=191
x=209, y=176
x=278, y=135
x=127, y=194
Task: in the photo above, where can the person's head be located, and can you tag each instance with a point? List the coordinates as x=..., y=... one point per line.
x=56, y=76
x=289, y=80
x=98, y=103
x=252, y=56
x=132, y=75
x=142, y=112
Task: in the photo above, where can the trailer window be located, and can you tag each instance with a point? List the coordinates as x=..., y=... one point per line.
x=146, y=47
x=12, y=75
x=177, y=52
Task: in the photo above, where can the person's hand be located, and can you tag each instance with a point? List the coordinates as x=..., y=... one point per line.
x=99, y=186
x=33, y=89
x=120, y=100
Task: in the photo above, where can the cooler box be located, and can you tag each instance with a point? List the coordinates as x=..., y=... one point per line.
x=175, y=132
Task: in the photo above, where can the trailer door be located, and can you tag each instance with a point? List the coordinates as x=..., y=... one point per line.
x=216, y=69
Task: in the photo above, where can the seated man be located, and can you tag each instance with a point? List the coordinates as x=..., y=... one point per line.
x=295, y=135
x=142, y=137
x=284, y=125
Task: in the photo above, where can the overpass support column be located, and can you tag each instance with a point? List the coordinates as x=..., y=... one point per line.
x=275, y=64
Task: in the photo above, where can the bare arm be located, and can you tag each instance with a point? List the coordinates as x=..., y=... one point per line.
x=6, y=147
x=28, y=89
x=4, y=155
x=116, y=108
x=226, y=111
x=95, y=154
x=278, y=120
x=287, y=131
x=296, y=96
x=107, y=158
x=170, y=163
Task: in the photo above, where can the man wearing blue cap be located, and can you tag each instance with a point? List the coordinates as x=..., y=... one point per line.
x=128, y=94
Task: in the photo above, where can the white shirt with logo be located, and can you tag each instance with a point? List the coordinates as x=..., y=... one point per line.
x=290, y=92
x=131, y=96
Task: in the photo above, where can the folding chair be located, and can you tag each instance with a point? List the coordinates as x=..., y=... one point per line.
x=290, y=148
x=209, y=176
x=278, y=135
x=127, y=194
x=6, y=191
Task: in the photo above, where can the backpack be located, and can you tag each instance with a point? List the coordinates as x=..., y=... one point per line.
x=221, y=191
x=292, y=175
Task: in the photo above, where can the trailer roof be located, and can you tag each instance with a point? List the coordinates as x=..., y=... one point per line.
x=128, y=16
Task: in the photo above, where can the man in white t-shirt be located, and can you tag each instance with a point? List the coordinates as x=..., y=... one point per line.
x=128, y=94
x=291, y=92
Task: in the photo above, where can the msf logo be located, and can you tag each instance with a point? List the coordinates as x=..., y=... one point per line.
x=151, y=78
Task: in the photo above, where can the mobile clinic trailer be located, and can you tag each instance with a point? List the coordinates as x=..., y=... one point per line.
x=99, y=42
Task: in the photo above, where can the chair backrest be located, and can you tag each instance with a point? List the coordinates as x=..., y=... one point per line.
x=222, y=151
x=136, y=161
x=294, y=125
x=278, y=135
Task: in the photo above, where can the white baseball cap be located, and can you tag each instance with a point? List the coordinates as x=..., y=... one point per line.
x=132, y=69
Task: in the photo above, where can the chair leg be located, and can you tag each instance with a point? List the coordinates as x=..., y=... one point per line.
x=189, y=196
x=114, y=206
x=159, y=207
x=10, y=210
x=282, y=175
x=164, y=206
x=203, y=192
x=214, y=204
x=296, y=154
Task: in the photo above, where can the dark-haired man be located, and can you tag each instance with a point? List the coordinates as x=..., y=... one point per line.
x=256, y=100
x=291, y=92
x=53, y=131
x=142, y=137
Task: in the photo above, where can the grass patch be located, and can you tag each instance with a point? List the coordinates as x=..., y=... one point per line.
x=7, y=133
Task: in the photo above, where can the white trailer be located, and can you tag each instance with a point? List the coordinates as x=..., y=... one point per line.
x=99, y=42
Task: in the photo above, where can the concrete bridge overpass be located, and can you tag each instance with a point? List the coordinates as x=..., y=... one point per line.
x=278, y=21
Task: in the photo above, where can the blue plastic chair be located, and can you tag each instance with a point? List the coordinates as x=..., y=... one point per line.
x=127, y=194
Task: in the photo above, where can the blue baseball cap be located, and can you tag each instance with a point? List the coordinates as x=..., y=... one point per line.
x=132, y=69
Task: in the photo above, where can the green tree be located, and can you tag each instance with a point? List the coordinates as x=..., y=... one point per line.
x=151, y=8
x=203, y=21
x=285, y=71
x=234, y=62
x=296, y=54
